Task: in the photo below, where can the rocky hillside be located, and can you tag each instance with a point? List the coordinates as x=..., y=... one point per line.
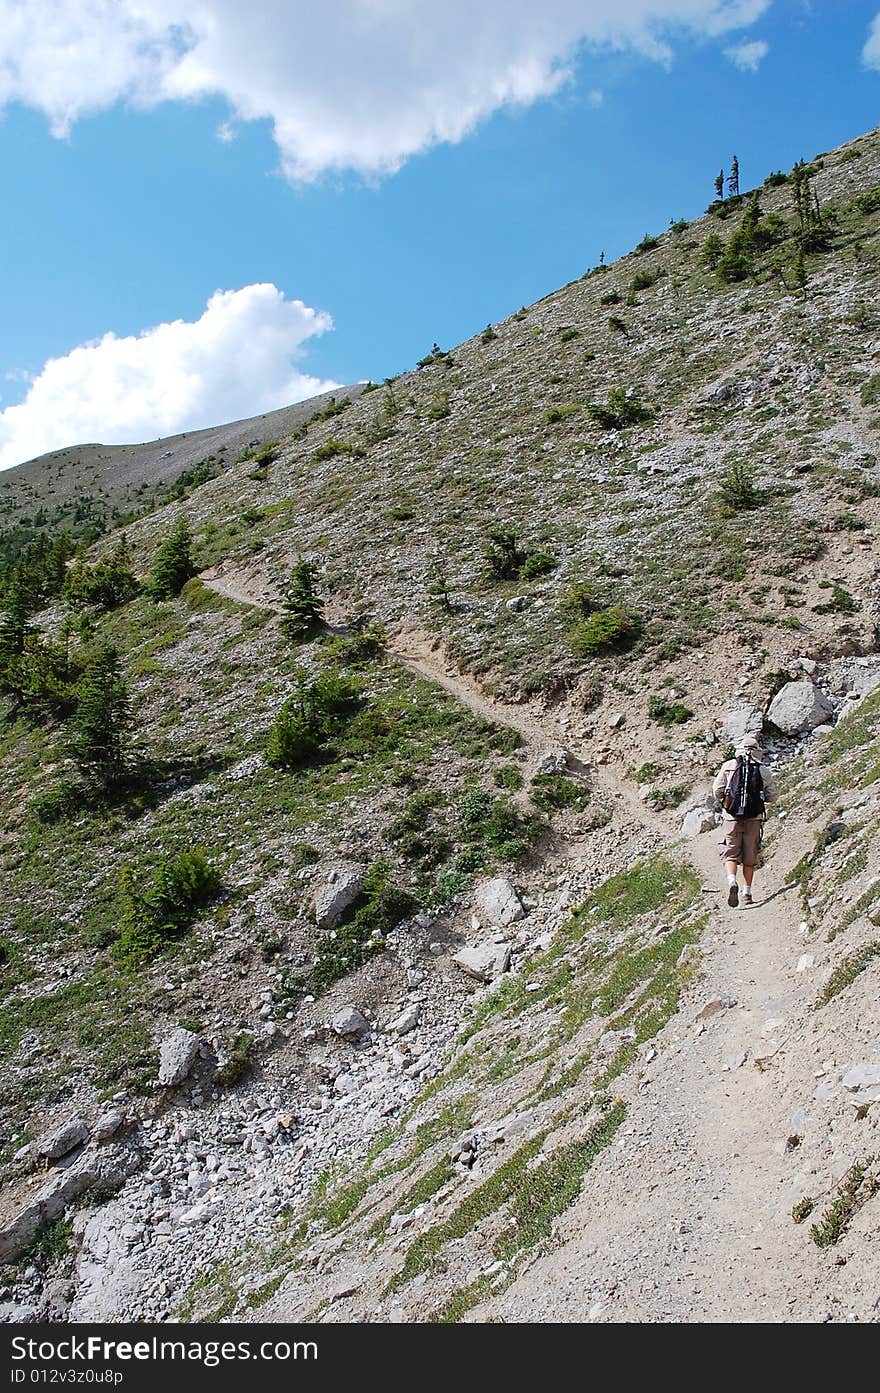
x=90, y=488
x=389, y=977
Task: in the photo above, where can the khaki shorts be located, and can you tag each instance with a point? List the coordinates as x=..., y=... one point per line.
x=742, y=840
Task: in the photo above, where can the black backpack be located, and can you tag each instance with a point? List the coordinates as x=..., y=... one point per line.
x=744, y=795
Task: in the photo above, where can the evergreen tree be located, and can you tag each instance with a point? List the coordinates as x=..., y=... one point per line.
x=15, y=609
x=438, y=587
x=173, y=565
x=106, y=586
x=719, y=184
x=101, y=724
x=812, y=226
x=302, y=607
x=733, y=179
x=712, y=250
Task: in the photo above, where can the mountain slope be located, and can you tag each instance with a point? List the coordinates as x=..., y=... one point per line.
x=683, y=470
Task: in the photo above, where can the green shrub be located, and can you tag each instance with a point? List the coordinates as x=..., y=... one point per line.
x=502, y=553
x=617, y=324
x=606, y=630
x=668, y=713
x=553, y=792
x=381, y=907
x=98, y=739
x=414, y=832
x=647, y=244
x=537, y=563
x=439, y=407
x=567, y=335
x=331, y=448
x=642, y=280
x=661, y=798
x=507, y=776
x=316, y=711
x=870, y=393
x=559, y=413
x=358, y=648
x=149, y=920
x=738, y=491
x=613, y=297
x=488, y=335
x=105, y=586
x=841, y=601
x=238, y=1063
x=623, y=409
x=492, y=825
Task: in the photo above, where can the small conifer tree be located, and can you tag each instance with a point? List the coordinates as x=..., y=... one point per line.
x=302, y=606
x=719, y=184
x=733, y=179
x=101, y=724
x=174, y=564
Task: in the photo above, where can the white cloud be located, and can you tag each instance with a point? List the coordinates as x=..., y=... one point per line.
x=871, y=51
x=239, y=359
x=357, y=84
x=748, y=56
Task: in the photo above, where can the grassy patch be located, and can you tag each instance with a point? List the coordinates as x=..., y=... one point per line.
x=858, y=1185
x=847, y=972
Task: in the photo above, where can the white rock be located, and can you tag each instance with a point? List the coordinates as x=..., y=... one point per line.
x=346, y=1084
x=485, y=961
x=338, y=892
x=861, y=1076
x=108, y=1124
x=64, y=1139
x=805, y=962
x=799, y=707
x=177, y=1055
x=553, y=762
x=696, y=821
x=349, y=1023
x=407, y=1021
x=497, y=903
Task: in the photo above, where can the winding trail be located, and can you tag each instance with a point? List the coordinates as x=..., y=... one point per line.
x=688, y=1218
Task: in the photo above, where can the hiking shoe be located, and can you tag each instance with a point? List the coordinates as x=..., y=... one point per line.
x=747, y=897
x=733, y=895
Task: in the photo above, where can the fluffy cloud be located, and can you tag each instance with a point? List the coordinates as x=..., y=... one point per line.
x=871, y=51
x=748, y=56
x=238, y=359
x=359, y=84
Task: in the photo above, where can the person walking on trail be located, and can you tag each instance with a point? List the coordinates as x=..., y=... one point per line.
x=744, y=786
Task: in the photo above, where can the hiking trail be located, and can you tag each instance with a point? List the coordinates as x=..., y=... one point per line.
x=683, y=1221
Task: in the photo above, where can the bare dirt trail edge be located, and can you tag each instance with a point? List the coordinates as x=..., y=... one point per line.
x=684, y=1220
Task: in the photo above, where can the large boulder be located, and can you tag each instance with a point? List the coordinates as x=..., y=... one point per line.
x=107, y=1169
x=485, y=961
x=697, y=820
x=799, y=707
x=742, y=720
x=177, y=1055
x=349, y=1024
x=496, y=902
x=60, y=1141
x=338, y=893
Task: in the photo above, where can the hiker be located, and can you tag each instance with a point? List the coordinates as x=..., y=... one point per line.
x=744, y=785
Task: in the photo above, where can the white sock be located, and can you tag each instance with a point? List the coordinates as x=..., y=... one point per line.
x=731, y=880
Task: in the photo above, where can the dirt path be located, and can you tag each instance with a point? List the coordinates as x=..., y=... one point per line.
x=688, y=1219
x=683, y=1221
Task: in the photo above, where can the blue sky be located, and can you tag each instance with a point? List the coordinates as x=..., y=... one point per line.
x=137, y=212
